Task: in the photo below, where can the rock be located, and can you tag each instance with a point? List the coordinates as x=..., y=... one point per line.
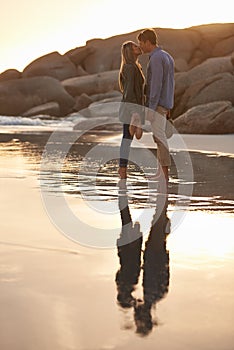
x=50, y=108
x=188, y=84
x=92, y=84
x=106, y=95
x=208, y=68
x=99, y=123
x=181, y=65
x=80, y=71
x=52, y=65
x=79, y=54
x=215, y=38
x=180, y=43
x=82, y=101
x=215, y=88
x=20, y=95
x=211, y=118
x=10, y=74
x=191, y=46
x=104, y=108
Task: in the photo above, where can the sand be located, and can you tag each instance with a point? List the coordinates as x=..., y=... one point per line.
x=59, y=294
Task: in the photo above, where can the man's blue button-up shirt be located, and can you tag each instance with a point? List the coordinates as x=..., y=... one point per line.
x=160, y=80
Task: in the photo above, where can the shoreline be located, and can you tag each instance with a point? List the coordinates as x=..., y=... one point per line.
x=215, y=143
x=59, y=292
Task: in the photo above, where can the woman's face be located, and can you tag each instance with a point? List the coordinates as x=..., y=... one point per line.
x=136, y=50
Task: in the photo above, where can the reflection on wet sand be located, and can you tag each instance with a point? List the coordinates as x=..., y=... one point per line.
x=213, y=174
x=153, y=261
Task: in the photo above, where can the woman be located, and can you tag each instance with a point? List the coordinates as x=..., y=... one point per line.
x=131, y=113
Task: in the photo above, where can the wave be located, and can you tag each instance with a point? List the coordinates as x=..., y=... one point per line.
x=40, y=120
x=8, y=120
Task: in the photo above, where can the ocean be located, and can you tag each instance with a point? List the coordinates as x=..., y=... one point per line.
x=84, y=253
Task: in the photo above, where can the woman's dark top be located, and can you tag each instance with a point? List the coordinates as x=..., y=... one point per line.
x=132, y=80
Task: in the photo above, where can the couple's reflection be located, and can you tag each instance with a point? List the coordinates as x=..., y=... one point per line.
x=153, y=260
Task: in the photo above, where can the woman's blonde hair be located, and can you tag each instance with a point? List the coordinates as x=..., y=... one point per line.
x=127, y=56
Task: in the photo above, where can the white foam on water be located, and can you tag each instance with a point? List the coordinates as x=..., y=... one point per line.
x=10, y=120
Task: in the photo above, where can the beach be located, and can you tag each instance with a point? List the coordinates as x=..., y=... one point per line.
x=59, y=287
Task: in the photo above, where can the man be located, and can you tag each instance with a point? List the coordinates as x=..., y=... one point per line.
x=159, y=94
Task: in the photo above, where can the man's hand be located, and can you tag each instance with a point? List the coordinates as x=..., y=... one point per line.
x=150, y=115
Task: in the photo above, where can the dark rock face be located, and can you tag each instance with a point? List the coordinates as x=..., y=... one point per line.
x=10, y=74
x=20, y=95
x=210, y=118
x=50, y=108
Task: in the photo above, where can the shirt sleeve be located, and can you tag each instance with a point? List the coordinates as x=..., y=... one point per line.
x=156, y=67
x=129, y=88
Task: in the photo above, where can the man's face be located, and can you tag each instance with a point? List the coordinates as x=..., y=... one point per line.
x=136, y=50
x=144, y=45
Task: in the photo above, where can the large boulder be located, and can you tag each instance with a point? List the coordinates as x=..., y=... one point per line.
x=79, y=54
x=105, y=108
x=53, y=65
x=92, y=84
x=215, y=88
x=82, y=101
x=218, y=38
x=10, y=74
x=106, y=95
x=208, y=68
x=50, y=108
x=211, y=118
x=98, y=123
x=19, y=95
x=107, y=55
x=189, y=47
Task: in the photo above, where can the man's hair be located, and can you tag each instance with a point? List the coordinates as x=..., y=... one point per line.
x=148, y=34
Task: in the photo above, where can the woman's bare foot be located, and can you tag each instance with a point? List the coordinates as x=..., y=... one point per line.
x=122, y=172
x=138, y=132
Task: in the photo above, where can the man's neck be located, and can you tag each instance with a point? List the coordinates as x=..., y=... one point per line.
x=153, y=47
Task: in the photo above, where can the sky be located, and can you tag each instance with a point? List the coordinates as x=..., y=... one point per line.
x=32, y=28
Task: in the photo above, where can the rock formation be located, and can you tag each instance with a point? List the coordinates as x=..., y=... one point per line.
x=58, y=85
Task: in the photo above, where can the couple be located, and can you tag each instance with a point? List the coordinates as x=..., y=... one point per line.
x=156, y=92
x=153, y=260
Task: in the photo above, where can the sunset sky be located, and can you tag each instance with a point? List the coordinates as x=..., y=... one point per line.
x=32, y=28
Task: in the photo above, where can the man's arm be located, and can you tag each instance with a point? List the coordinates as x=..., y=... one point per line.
x=156, y=66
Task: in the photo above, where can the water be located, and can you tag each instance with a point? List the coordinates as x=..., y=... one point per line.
x=171, y=290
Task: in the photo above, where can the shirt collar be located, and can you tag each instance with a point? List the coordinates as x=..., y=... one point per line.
x=154, y=50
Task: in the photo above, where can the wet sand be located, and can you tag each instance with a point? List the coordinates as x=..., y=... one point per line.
x=60, y=294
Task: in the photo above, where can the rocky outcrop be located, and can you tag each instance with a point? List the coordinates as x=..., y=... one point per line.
x=215, y=88
x=52, y=65
x=61, y=84
x=98, y=123
x=210, y=118
x=92, y=84
x=20, y=95
x=10, y=74
x=79, y=54
x=207, y=69
x=189, y=47
x=82, y=101
x=50, y=108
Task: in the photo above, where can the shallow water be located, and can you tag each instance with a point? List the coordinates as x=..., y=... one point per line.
x=84, y=174
x=171, y=287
